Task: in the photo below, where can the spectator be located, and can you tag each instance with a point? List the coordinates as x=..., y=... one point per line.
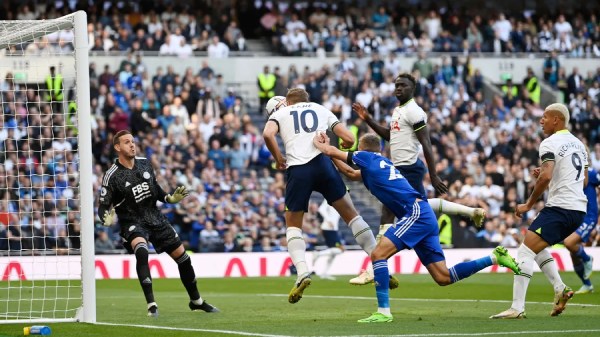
x=217, y=49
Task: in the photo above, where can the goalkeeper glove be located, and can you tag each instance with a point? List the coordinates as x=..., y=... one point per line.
x=109, y=217
x=180, y=193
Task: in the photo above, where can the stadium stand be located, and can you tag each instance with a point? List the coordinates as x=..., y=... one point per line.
x=199, y=128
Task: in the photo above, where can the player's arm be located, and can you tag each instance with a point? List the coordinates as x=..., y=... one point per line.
x=179, y=194
x=383, y=132
x=339, y=157
x=106, y=212
x=422, y=133
x=271, y=129
x=345, y=135
x=347, y=170
x=542, y=182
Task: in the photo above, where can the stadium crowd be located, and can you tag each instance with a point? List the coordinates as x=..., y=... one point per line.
x=198, y=132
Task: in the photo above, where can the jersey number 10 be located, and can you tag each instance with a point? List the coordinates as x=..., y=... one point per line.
x=302, y=121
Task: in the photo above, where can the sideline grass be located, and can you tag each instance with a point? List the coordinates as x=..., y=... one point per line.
x=259, y=307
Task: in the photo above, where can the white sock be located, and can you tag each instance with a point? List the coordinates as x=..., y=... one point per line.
x=525, y=260
x=382, y=229
x=297, y=249
x=333, y=252
x=443, y=206
x=363, y=234
x=385, y=311
x=198, y=301
x=151, y=304
x=547, y=264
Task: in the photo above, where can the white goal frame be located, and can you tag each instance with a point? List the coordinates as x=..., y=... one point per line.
x=32, y=30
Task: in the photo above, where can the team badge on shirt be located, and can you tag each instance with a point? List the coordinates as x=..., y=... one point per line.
x=146, y=175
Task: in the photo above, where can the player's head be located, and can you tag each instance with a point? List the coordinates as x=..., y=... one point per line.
x=369, y=142
x=555, y=118
x=124, y=144
x=296, y=95
x=405, y=87
x=274, y=104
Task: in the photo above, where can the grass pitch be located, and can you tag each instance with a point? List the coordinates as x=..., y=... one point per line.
x=259, y=307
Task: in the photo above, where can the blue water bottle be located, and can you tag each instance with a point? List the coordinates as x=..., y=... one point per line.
x=36, y=330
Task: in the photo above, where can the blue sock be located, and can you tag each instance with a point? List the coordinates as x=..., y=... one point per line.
x=466, y=269
x=579, y=271
x=382, y=283
x=582, y=254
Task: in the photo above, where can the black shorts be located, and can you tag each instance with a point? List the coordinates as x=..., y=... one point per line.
x=163, y=236
x=554, y=224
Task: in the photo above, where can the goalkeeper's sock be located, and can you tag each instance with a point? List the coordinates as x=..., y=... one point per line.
x=363, y=234
x=466, y=269
x=187, y=276
x=382, y=283
x=297, y=249
x=143, y=271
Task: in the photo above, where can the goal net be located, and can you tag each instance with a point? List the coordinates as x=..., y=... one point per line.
x=46, y=197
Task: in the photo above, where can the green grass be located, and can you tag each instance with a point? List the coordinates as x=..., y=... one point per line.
x=259, y=307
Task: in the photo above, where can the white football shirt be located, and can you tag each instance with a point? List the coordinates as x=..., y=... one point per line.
x=570, y=160
x=298, y=125
x=406, y=120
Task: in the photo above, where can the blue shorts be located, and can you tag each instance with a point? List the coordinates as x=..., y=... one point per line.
x=585, y=229
x=332, y=238
x=318, y=175
x=554, y=224
x=420, y=232
x=415, y=174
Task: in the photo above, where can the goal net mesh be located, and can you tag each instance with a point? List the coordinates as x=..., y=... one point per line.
x=40, y=261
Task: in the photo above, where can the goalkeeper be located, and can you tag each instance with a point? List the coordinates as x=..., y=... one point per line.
x=130, y=186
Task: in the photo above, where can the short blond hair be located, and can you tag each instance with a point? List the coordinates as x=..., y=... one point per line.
x=370, y=142
x=296, y=95
x=561, y=109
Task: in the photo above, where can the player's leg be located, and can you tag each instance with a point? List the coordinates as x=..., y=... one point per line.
x=360, y=229
x=188, y=278
x=366, y=275
x=334, y=248
x=431, y=255
x=384, y=250
x=297, y=195
x=140, y=249
x=582, y=263
x=440, y=206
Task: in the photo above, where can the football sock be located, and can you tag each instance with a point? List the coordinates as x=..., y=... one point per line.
x=525, y=260
x=143, y=271
x=187, y=275
x=443, y=206
x=582, y=254
x=466, y=269
x=297, y=249
x=382, y=283
x=363, y=234
x=382, y=229
x=548, y=266
x=579, y=269
x=333, y=252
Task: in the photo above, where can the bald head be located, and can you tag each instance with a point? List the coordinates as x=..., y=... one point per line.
x=561, y=110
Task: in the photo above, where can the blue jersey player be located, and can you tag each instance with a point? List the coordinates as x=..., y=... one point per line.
x=582, y=263
x=417, y=227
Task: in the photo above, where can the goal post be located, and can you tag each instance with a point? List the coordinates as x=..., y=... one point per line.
x=47, y=265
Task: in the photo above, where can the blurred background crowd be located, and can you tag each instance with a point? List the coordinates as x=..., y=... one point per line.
x=199, y=132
